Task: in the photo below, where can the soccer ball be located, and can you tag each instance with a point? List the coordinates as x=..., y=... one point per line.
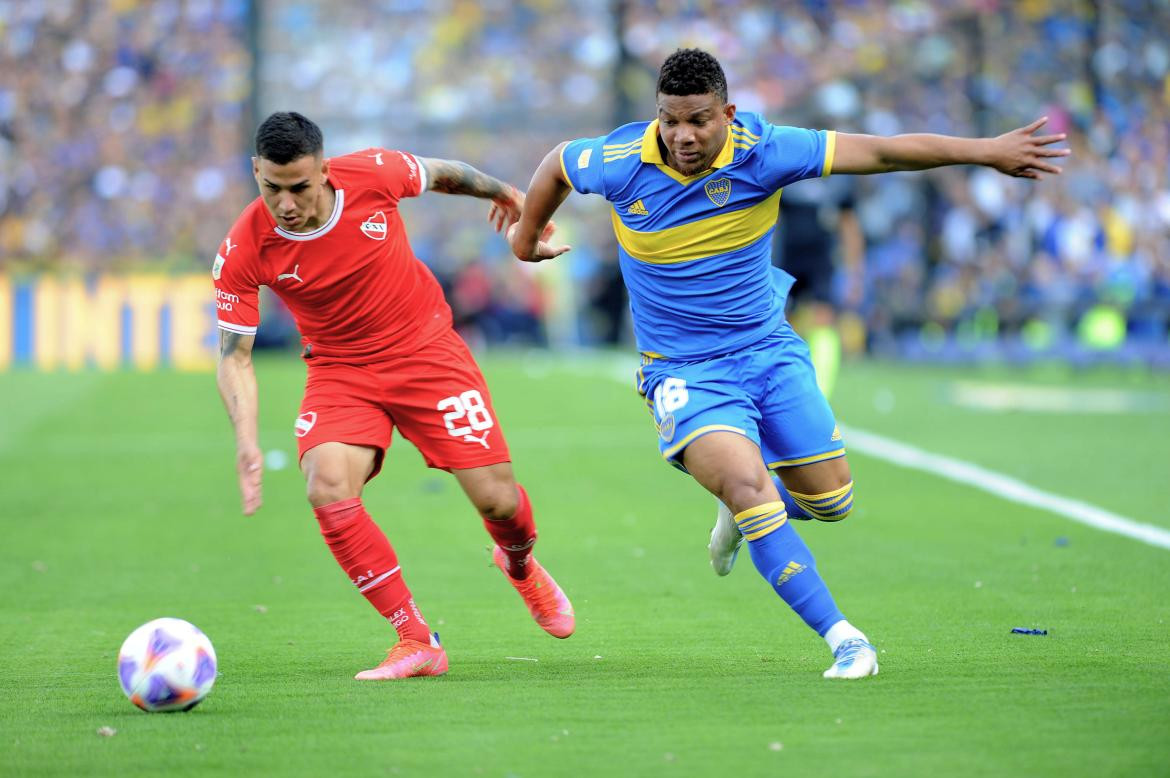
x=166, y=665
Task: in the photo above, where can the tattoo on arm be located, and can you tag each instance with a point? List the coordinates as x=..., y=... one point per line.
x=235, y=351
x=455, y=177
x=229, y=342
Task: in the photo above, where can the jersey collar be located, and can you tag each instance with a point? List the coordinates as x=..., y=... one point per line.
x=652, y=154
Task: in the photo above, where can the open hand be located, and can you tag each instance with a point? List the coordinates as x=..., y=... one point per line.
x=1021, y=154
x=249, y=468
x=542, y=250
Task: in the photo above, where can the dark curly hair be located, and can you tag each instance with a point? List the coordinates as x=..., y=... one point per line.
x=692, y=72
x=285, y=136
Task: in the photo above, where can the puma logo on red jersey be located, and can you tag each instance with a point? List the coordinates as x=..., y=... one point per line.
x=293, y=275
x=375, y=226
x=482, y=440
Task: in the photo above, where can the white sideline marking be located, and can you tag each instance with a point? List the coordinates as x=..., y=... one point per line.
x=1003, y=486
x=1000, y=485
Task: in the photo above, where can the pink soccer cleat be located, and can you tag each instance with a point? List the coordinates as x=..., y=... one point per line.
x=408, y=659
x=546, y=602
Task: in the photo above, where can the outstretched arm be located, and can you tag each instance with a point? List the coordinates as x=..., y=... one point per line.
x=546, y=192
x=451, y=176
x=1017, y=153
x=237, y=386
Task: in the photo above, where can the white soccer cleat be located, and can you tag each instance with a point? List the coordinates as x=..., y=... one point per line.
x=725, y=541
x=854, y=658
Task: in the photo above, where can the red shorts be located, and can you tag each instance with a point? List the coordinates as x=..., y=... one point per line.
x=436, y=397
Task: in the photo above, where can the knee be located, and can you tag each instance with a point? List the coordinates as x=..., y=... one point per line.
x=325, y=488
x=497, y=501
x=743, y=493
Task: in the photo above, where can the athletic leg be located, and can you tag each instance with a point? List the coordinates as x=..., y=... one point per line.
x=440, y=402
x=507, y=515
x=730, y=467
x=335, y=474
x=817, y=501
x=821, y=490
x=505, y=509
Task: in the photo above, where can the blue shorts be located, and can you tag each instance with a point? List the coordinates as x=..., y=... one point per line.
x=767, y=393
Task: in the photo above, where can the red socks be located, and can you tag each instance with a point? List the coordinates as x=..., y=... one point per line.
x=362, y=550
x=515, y=536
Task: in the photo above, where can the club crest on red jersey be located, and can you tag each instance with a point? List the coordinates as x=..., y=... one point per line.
x=375, y=226
x=305, y=422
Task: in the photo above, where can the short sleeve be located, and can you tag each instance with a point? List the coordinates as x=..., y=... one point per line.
x=582, y=164
x=401, y=173
x=237, y=294
x=792, y=154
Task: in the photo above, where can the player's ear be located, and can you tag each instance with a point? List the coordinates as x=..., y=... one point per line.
x=729, y=112
x=324, y=168
x=256, y=166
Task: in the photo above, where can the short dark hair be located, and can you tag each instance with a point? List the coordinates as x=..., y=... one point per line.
x=285, y=136
x=692, y=72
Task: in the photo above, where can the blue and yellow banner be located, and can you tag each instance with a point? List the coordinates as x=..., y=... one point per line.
x=108, y=322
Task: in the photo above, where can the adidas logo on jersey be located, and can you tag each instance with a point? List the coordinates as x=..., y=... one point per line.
x=638, y=209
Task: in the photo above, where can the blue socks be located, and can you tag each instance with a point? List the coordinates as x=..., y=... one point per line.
x=790, y=505
x=787, y=564
x=829, y=506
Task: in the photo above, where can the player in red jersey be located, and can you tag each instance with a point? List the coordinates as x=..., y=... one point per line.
x=325, y=235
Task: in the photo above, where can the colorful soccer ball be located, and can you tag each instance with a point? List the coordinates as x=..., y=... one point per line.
x=166, y=665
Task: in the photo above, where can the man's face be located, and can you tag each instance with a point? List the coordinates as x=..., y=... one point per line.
x=694, y=129
x=291, y=191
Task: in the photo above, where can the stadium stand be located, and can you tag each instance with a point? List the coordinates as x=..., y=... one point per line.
x=127, y=144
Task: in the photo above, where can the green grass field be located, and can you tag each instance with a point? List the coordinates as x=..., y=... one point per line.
x=120, y=505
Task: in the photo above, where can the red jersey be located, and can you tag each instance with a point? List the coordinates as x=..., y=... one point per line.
x=353, y=285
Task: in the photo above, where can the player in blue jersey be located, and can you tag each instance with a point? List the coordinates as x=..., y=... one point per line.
x=730, y=385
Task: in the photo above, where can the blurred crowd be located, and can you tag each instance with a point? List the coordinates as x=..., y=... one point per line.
x=121, y=131
x=125, y=126
x=967, y=252
x=495, y=83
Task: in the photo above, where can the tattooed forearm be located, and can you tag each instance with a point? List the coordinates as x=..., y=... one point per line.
x=455, y=177
x=237, y=382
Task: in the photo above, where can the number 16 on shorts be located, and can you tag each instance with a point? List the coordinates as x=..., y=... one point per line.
x=670, y=395
x=467, y=417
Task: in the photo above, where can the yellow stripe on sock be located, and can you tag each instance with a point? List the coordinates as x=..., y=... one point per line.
x=754, y=524
x=825, y=507
x=761, y=520
x=766, y=529
x=759, y=511
x=823, y=496
x=830, y=506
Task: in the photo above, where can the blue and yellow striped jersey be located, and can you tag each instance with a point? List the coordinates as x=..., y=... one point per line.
x=695, y=251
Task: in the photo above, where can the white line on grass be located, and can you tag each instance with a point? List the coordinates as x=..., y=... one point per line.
x=966, y=473
x=1003, y=486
